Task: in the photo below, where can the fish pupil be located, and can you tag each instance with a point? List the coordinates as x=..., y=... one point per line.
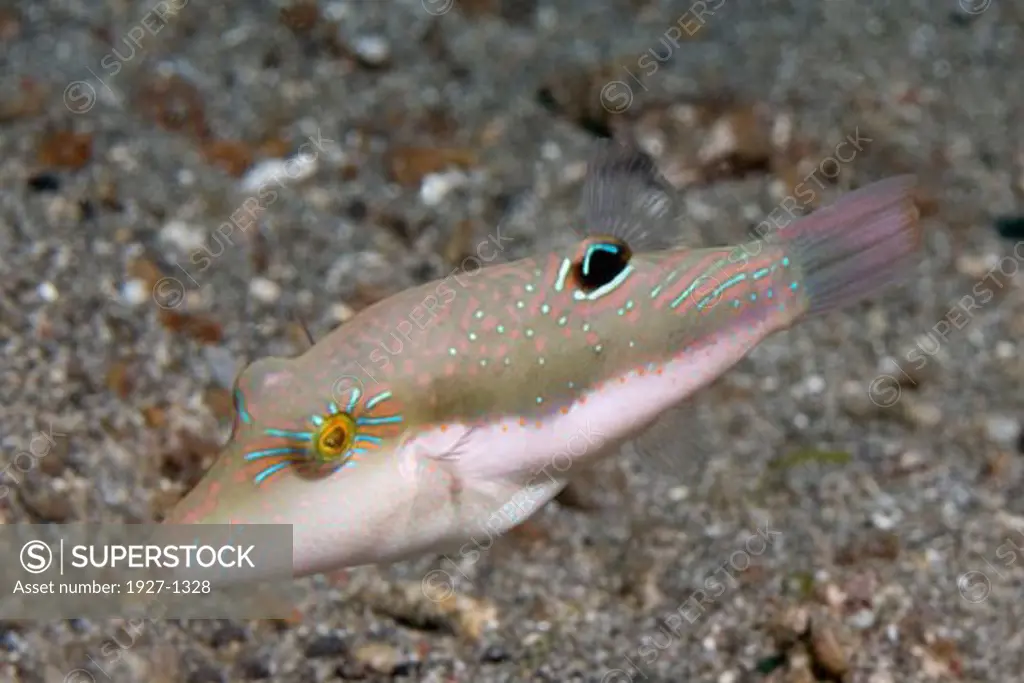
x=335, y=438
x=602, y=261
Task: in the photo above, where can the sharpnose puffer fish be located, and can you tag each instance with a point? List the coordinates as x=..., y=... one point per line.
x=467, y=403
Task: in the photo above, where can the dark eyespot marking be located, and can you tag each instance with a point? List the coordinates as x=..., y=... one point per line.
x=601, y=261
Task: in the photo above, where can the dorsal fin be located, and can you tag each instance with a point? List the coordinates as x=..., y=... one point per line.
x=624, y=196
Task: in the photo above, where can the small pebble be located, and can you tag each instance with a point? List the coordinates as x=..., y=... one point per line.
x=184, y=237
x=378, y=657
x=976, y=266
x=911, y=460
x=264, y=290
x=720, y=142
x=862, y=619
x=909, y=373
x=60, y=210
x=834, y=595
x=372, y=50
x=678, y=493
x=855, y=398
x=473, y=615
x=1002, y=430
x=920, y=412
x=337, y=10
x=815, y=384
x=437, y=186
x=134, y=292
x=47, y=292
x=886, y=521
x=782, y=131
x=277, y=171
x=342, y=312
x=550, y=151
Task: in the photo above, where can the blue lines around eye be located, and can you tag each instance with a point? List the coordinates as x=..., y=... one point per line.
x=270, y=452
x=353, y=400
x=379, y=420
x=286, y=434
x=361, y=443
x=240, y=407
x=259, y=478
x=267, y=472
x=376, y=400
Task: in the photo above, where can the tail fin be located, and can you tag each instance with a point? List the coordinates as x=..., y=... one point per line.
x=854, y=248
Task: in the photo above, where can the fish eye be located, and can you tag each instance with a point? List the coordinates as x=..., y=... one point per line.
x=334, y=437
x=330, y=441
x=603, y=259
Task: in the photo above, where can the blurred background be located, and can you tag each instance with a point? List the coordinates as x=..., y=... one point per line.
x=181, y=181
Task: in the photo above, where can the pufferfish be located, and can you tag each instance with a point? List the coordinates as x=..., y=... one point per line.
x=513, y=376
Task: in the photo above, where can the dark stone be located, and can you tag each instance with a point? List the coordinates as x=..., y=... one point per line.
x=1010, y=227
x=88, y=210
x=357, y=210
x=253, y=667
x=495, y=654
x=326, y=646
x=228, y=633
x=962, y=18
x=205, y=674
x=44, y=182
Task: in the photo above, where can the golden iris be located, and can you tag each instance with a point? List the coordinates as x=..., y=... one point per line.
x=334, y=438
